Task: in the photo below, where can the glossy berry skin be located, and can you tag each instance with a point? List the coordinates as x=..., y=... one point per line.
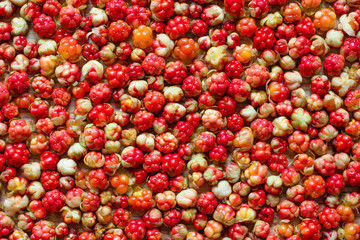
x=50, y=180
x=219, y=153
x=333, y=64
x=352, y=174
x=143, y=120
x=152, y=162
x=277, y=162
x=116, y=9
x=309, y=209
x=16, y=154
x=256, y=75
x=90, y=52
x=18, y=82
x=206, y=203
x=53, y=201
x=259, y=8
x=267, y=214
x=44, y=26
x=81, y=89
x=132, y=157
x=121, y=217
x=39, y=109
x=5, y=30
x=310, y=229
x=186, y=48
x=233, y=69
x=19, y=130
x=287, y=210
x=339, y=118
x=61, y=96
x=43, y=230
x=69, y=49
x=153, y=64
x=314, y=186
x=117, y=75
x=329, y=218
x=30, y=11
x=90, y=202
x=260, y=152
x=227, y=106
x=119, y=31
x=257, y=199
x=191, y=86
x=235, y=122
x=162, y=9
x=69, y=17
x=51, y=7
x=224, y=138
x=142, y=37
x=100, y=36
x=234, y=7
x=262, y=129
x=135, y=71
x=278, y=91
x=237, y=231
x=158, y=182
x=172, y=217
x=100, y=93
x=305, y=27
x=320, y=85
x=343, y=143
x=60, y=141
x=246, y=27
x=137, y=16
x=98, y=178
x=310, y=65
x=285, y=31
x=154, y=101
x=48, y=160
x=350, y=49
x=10, y=110
x=281, y=47
x=4, y=94
x=334, y=184
x=172, y=164
x=239, y=89
x=299, y=47
x=199, y=27
x=218, y=83
x=135, y=229
x=175, y=72
x=183, y=131
x=218, y=37
x=141, y=200
x=324, y=19
x=177, y=27
x=264, y=38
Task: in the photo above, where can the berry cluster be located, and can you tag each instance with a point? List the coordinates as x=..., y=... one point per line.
x=158, y=118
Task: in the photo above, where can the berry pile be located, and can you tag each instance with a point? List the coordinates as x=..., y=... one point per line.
x=151, y=118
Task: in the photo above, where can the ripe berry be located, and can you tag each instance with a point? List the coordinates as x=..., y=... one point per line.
x=264, y=38
x=16, y=154
x=305, y=27
x=334, y=184
x=54, y=200
x=177, y=27
x=50, y=180
x=116, y=9
x=119, y=31
x=44, y=26
x=233, y=69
